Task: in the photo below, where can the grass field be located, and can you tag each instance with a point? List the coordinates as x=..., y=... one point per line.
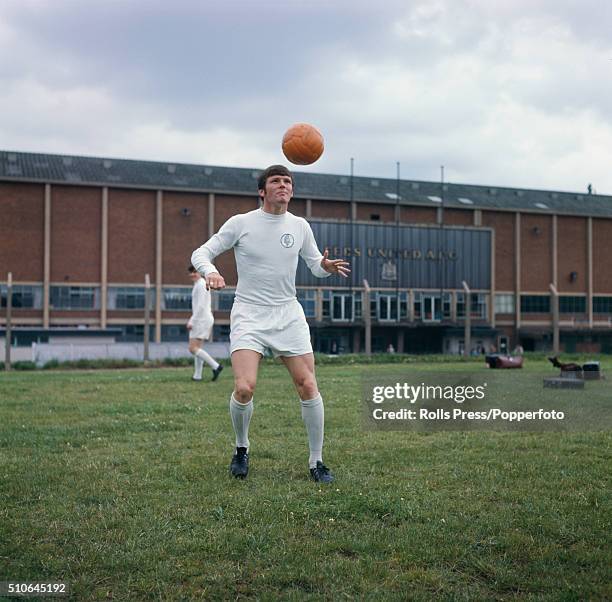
x=116, y=482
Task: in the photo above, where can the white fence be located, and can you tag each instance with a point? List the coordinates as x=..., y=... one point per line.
x=41, y=353
x=18, y=354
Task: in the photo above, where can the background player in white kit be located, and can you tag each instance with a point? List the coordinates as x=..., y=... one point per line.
x=267, y=244
x=200, y=326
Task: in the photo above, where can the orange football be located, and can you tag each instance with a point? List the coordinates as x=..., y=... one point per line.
x=302, y=144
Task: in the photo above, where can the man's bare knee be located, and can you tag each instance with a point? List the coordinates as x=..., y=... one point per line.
x=193, y=346
x=243, y=391
x=307, y=386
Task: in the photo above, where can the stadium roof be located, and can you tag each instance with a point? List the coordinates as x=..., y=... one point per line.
x=67, y=169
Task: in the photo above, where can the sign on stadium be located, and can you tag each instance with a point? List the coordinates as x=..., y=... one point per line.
x=406, y=256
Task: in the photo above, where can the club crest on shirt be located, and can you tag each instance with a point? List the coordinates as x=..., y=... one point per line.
x=287, y=240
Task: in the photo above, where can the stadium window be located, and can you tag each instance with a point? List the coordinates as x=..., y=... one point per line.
x=221, y=332
x=572, y=304
x=74, y=297
x=478, y=305
x=134, y=333
x=446, y=305
x=430, y=307
x=418, y=305
x=224, y=300
x=375, y=217
x=602, y=305
x=387, y=307
x=307, y=299
x=460, y=305
x=535, y=304
x=373, y=307
x=357, y=304
x=403, y=306
x=177, y=298
x=326, y=305
x=23, y=296
x=129, y=297
x=504, y=304
x=136, y=330
x=173, y=332
x=341, y=306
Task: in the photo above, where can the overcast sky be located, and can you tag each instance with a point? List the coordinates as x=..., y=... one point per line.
x=502, y=92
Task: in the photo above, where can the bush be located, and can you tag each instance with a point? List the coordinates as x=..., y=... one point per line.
x=51, y=365
x=177, y=361
x=320, y=359
x=24, y=365
x=392, y=358
x=87, y=364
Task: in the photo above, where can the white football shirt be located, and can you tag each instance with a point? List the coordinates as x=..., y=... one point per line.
x=266, y=248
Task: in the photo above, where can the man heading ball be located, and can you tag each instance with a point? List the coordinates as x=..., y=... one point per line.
x=267, y=244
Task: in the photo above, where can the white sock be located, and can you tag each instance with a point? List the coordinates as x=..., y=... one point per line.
x=313, y=416
x=241, y=417
x=207, y=358
x=198, y=364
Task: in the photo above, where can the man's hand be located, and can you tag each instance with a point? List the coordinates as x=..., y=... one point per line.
x=335, y=266
x=215, y=281
x=189, y=326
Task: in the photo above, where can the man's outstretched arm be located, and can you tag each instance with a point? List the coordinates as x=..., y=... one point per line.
x=202, y=257
x=320, y=265
x=335, y=266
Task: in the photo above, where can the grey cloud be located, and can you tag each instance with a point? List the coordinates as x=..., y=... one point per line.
x=211, y=49
x=475, y=84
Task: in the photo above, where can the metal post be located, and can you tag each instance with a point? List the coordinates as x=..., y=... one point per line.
x=467, y=334
x=399, y=343
x=517, y=275
x=367, y=318
x=104, y=259
x=590, y=271
x=555, y=317
x=353, y=217
x=158, y=264
x=47, y=257
x=147, y=316
x=8, y=333
x=441, y=249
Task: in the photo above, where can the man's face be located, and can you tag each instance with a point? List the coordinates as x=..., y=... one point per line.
x=278, y=191
x=194, y=276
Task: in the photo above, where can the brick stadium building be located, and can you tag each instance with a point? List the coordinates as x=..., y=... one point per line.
x=79, y=234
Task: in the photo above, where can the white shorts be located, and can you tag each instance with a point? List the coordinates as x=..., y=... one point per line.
x=281, y=328
x=200, y=329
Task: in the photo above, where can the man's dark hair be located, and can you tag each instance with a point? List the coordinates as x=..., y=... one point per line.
x=191, y=269
x=273, y=170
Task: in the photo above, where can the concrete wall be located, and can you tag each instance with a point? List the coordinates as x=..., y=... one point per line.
x=18, y=354
x=42, y=353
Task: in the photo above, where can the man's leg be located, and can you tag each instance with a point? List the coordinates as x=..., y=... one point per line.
x=194, y=347
x=211, y=361
x=245, y=364
x=301, y=368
